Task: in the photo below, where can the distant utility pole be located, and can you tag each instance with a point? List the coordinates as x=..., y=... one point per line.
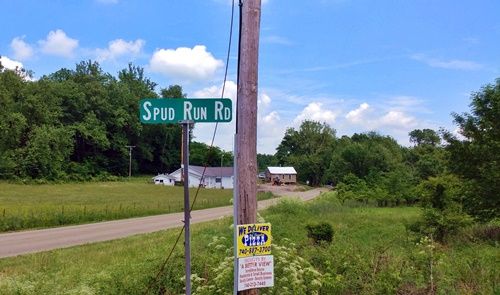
x=130, y=147
x=246, y=124
x=221, y=158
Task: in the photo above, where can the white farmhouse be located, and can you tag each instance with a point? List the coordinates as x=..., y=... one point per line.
x=215, y=177
x=164, y=179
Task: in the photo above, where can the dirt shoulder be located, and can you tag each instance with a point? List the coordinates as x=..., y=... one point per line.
x=291, y=191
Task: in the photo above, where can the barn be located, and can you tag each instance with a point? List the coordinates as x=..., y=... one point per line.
x=286, y=175
x=215, y=177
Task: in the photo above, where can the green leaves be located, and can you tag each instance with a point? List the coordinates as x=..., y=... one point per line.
x=47, y=152
x=308, y=150
x=476, y=157
x=79, y=121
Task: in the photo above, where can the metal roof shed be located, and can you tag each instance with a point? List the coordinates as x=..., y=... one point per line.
x=284, y=174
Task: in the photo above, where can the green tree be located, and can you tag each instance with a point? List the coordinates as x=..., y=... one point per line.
x=442, y=214
x=426, y=160
x=47, y=152
x=424, y=137
x=202, y=154
x=363, y=155
x=308, y=150
x=264, y=161
x=476, y=156
x=173, y=91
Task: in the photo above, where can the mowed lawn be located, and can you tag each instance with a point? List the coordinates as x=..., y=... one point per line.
x=371, y=253
x=33, y=206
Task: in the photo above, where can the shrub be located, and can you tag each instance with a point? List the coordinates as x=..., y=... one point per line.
x=487, y=232
x=292, y=273
x=442, y=214
x=320, y=232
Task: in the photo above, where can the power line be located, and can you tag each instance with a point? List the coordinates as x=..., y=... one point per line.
x=165, y=262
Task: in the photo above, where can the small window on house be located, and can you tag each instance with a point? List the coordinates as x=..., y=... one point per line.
x=218, y=180
x=289, y=176
x=161, y=180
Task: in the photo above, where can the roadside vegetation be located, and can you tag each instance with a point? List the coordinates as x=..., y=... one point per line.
x=371, y=252
x=47, y=205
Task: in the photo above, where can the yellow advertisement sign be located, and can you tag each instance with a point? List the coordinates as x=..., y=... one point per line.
x=254, y=239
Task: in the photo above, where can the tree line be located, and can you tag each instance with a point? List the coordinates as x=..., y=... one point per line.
x=75, y=124
x=454, y=176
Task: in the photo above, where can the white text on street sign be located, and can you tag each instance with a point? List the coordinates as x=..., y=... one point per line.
x=174, y=110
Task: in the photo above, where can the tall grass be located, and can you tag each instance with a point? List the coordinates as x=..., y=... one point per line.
x=371, y=253
x=46, y=205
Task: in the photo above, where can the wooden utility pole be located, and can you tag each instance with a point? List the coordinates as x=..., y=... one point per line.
x=130, y=147
x=246, y=124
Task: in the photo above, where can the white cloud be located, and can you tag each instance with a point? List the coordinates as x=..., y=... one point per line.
x=15, y=66
x=370, y=119
x=185, y=63
x=316, y=112
x=454, y=64
x=21, y=49
x=59, y=44
x=271, y=118
x=215, y=91
x=10, y=64
x=263, y=101
x=120, y=47
x=269, y=128
x=393, y=116
x=358, y=115
x=203, y=132
x=270, y=131
x=397, y=119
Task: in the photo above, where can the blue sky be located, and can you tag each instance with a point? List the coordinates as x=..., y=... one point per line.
x=359, y=65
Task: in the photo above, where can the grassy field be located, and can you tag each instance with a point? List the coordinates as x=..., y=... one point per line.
x=371, y=253
x=33, y=206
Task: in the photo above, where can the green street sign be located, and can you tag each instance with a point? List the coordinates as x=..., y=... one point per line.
x=174, y=110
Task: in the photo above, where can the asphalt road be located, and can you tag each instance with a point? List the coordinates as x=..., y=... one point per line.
x=18, y=243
